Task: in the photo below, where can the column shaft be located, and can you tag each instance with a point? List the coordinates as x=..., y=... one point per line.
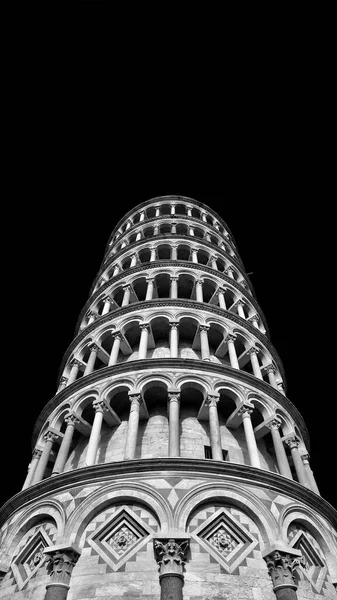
x=91, y=362
x=214, y=429
x=204, y=343
x=73, y=372
x=126, y=297
x=132, y=432
x=199, y=293
x=32, y=468
x=143, y=341
x=221, y=297
x=281, y=456
x=174, y=287
x=95, y=435
x=174, y=445
x=106, y=307
x=232, y=352
x=255, y=362
x=298, y=464
x=174, y=340
x=41, y=467
x=115, y=349
x=149, y=290
x=63, y=452
x=250, y=439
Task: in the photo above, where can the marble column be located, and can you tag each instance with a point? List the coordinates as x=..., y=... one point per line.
x=203, y=216
x=117, y=337
x=123, y=244
x=156, y=230
x=208, y=237
x=173, y=209
x=199, y=294
x=174, y=339
x=127, y=294
x=32, y=468
x=75, y=365
x=133, y=260
x=281, y=455
x=116, y=271
x=50, y=437
x=253, y=352
x=230, y=339
x=170, y=554
x=270, y=370
x=92, y=358
x=203, y=330
x=293, y=444
x=95, y=435
x=107, y=305
x=221, y=296
x=174, y=287
x=150, y=287
x=138, y=236
x=214, y=427
x=254, y=318
x=310, y=475
x=245, y=412
x=92, y=317
x=229, y=272
x=189, y=211
x=191, y=230
x=63, y=452
x=174, y=252
x=194, y=253
x=128, y=225
x=61, y=562
x=132, y=431
x=281, y=566
x=145, y=329
x=240, y=304
x=62, y=384
x=142, y=216
x=174, y=434
x=174, y=228
x=213, y=263
x=157, y=211
x=153, y=254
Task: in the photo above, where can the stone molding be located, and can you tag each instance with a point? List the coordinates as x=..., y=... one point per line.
x=170, y=554
x=159, y=302
x=172, y=364
x=184, y=467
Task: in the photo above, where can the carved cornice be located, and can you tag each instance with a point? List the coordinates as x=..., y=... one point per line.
x=171, y=364
x=184, y=467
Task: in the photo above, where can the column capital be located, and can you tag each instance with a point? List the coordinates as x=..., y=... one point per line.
x=230, y=268
x=281, y=566
x=174, y=277
x=107, y=299
x=63, y=379
x=173, y=396
x=239, y=302
x=116, y=334
x=231, y=337
x=99, y=406
x=253, y=350
x=170, y=554
x=199, y=281
x=93, y=346
x=253, y=317
x=135, y=397
x=305, y=458
x=144, y=326
x=270, y=368
x=126, y=287
x=75, y=361
x=61, y=561
x=36, y=453
x=174, y=324
x=212, y=400
x=293, y=442
x=203, y=327
x=274, y=424
x=150, y=279
x=71, y=419
x=245, y=409
x=51, y=436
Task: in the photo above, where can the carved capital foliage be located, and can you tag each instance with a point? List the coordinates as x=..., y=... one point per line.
x=135, y=400
x=116, y=335
x=50, y=436
x=231, y=337
x=75, y=362
x=36, y=453
x=281, y=567
x=203, y=328
x=212, y=400
x=173, y=397
x=93, y=347
x=71, y=419
x=305, y=458
x=99, y=406
x=253, y=350
x=274, y=424
x=245, y=409
x=174, y=324
x=293, y=442
x=270, y=368
x=60, y=565
x=170, y=554
x=144, y=326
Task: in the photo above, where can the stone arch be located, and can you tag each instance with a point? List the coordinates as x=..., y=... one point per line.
x=263, y=405
x=231, y=494
x=303, y=515
x=50, y=509
x=287, y=425
x=85, y=400
x=57, y=419
x=117, y=492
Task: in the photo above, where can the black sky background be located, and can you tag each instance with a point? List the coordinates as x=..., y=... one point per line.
x=60, y=237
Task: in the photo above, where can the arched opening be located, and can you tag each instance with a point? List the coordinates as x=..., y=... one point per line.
x=187, y=333
x=136, y=218
x=131, y=333
x=185, y=286
x=195, y=213
x=118, y=295
x=148, y=232
x=119, y=401
x=198, y=232
x=226, y=403
x=160, y=332
x=164, y=252
x=208, y=289
x=209, y=220
x=165, y=228
x=203, y=257
x=126, y=263
x=151, y=212
x=183, y=252
x=180, y=209
x=140, y=287
x=144, y=255
x=215, y=338
x=181, y=229
x=166, y=209
x=132, y=238
x=163, y=284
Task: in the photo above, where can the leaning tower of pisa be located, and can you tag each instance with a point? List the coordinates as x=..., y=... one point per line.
x=170, y=462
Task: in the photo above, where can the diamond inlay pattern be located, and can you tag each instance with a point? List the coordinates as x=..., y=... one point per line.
x=315, y=570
